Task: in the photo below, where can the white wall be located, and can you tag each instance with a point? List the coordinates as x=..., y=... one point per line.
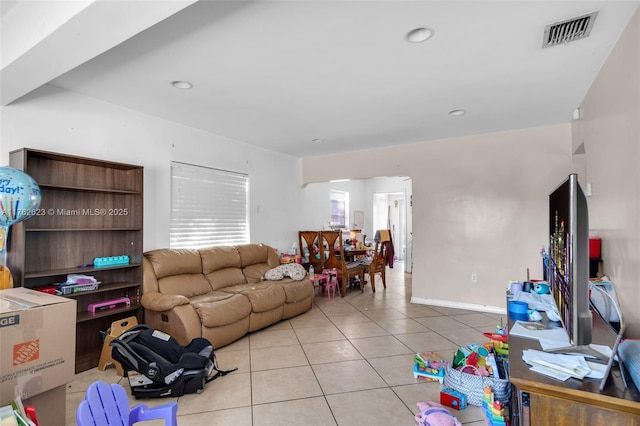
x=56, y=120
x=610, y=131
x=480, y=205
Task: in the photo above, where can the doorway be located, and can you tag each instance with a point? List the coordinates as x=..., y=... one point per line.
x=390, y=212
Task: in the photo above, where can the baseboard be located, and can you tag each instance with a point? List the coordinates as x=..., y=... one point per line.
x=458, y=305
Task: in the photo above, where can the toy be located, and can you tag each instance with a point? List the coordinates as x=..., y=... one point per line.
x=433, y=374
x=452, y=398
x=499, y=338
x=475, y=348
x=494, y=410
x=430, y=359
x=432, y=413
x=541, y=288
x=501, y=348
x=492, y=366
x=295, y=258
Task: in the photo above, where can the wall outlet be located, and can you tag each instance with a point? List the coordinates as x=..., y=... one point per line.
x=474, y=278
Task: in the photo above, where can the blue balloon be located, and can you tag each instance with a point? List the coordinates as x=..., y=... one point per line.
x=19, y=196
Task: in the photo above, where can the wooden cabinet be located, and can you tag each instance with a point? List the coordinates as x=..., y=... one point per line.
x=537, y=400
x=89, y=209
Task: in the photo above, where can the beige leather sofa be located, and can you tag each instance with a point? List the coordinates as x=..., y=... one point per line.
x=218, y=293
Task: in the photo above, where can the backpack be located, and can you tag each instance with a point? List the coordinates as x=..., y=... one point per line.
x=158, y=366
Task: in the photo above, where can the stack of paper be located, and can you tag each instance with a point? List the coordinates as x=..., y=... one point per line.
x=560, y=366
x=550, y=338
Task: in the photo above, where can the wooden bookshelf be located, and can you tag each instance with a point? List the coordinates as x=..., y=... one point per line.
x=90, y=208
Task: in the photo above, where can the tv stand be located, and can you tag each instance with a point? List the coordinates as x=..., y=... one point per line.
x=537, y=400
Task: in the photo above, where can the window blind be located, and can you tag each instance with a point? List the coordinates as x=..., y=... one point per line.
x=209, y=207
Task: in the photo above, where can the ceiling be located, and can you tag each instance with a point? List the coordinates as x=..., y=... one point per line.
x=281, y=74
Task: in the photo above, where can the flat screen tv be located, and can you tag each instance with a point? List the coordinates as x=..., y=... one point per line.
x=568, y=266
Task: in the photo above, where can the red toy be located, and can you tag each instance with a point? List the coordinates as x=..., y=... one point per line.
x=452, y=398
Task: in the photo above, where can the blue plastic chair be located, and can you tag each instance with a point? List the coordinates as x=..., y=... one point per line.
x=108, y=405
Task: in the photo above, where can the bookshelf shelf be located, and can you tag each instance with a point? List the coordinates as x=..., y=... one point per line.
x=90, y=208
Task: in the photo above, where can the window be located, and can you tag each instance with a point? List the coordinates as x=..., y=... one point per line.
x=339, y=208
x=209, y=207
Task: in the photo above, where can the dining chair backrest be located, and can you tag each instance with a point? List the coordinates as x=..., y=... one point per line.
x=330, y=248
x=310, y=240
x=383, y=235
x=332, y=251
x=383, y=241
x=379, y=256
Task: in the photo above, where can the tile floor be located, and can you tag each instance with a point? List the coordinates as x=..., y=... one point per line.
x=348, y=361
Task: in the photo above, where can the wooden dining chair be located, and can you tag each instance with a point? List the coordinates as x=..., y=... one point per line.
x=311, y=241
x=378, y=262
x=332, y=250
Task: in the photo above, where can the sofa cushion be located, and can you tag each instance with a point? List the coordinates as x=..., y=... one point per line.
x=218, y=258
x=254, y=259
x=225, y=277
x=188, y=285
x=167, y=262
x=221, y=267
x=226, y=309
x=212, y=296
x=250, y=254
x=263, y=296
x=255, y=273
x=296, y=291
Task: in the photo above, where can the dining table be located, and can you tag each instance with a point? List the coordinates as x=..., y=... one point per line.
x=353, y=254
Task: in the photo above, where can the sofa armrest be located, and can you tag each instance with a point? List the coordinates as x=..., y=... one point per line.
x=159, y=302
x=182, y=322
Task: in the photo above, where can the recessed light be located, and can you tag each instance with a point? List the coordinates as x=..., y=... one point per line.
x=317, y=140
x=457, y=112
x=418, y=35
x=179, y=84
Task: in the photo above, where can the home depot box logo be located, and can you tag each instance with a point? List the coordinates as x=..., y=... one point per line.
x=26, y=351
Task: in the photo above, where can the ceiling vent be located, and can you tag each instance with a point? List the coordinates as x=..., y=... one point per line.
x=568, y=30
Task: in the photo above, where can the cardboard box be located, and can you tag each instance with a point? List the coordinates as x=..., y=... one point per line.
x=37, y=342
x=51, y=406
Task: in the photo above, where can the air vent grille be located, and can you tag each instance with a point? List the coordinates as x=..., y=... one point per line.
x=568, y=30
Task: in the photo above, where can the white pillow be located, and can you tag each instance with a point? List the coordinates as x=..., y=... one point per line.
x=293, y=270
x=274, y=274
